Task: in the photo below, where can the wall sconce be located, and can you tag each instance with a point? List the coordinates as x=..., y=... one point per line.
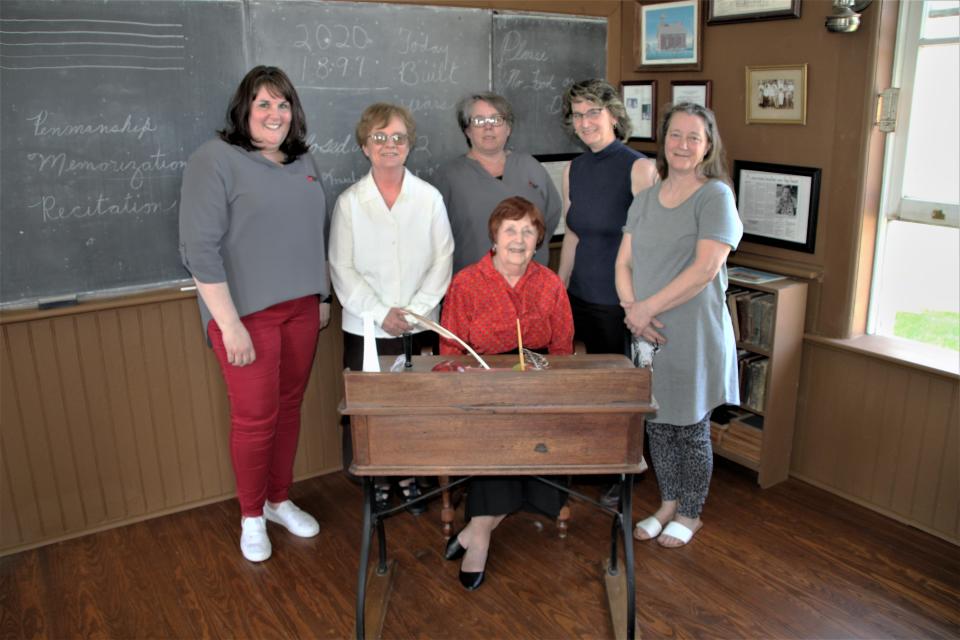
x=846, y=15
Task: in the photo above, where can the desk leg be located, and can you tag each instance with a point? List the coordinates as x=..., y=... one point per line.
x=621, y=596
x=369, y=622
x=364, y=556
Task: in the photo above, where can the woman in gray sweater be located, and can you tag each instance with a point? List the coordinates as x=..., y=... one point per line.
x=252, y=234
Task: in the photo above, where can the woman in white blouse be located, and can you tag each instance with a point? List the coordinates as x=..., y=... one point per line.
x=390, y=248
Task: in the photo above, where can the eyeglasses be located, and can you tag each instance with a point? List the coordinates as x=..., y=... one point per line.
x=589, y=114
x=481, y=121
x=380, y=138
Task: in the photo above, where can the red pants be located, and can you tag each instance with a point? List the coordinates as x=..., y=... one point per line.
x=265, y=398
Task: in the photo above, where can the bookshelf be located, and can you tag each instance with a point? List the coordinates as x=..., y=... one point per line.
x=768, y=319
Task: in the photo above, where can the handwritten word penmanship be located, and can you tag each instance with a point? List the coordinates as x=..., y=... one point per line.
x=129, y=204
x=138, y=129
x=60, y=165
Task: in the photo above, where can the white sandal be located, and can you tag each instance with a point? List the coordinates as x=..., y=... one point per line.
x=681, y=532
x=651, y=526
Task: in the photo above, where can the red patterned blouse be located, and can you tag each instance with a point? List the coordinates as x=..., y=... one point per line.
x=482, y=309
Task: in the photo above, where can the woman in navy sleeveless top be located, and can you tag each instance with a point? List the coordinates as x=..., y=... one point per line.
x=598, y=187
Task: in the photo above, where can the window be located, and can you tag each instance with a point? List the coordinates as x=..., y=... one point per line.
x=916, y=283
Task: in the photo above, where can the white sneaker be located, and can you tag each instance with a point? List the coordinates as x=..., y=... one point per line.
x=295, y=520
x=254, y=542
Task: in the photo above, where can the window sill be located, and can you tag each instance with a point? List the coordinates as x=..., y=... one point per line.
x=905, y=352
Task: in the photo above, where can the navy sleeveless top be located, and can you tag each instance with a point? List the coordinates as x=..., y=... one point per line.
x=600, y=194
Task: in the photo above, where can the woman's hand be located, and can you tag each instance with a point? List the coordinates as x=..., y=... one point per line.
x=324, y=315
x=642, y=323
x=237, y=344
x=395, y=323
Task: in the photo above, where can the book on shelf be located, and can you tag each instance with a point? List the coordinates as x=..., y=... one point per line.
x=752, y=276
x=753, y=381
x=761, y=312
x=744, y=319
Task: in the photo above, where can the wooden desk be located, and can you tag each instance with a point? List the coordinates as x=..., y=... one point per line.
x=583, y=415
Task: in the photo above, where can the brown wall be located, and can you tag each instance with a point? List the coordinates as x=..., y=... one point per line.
x=839, y=110
x=881, y=434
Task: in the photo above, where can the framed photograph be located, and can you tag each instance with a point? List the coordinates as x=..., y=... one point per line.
x=729, y=11
x=695, y=91
x=555, y=163
x=778, y=204
x=668, y=35
x=640, y=99
x=777, y=94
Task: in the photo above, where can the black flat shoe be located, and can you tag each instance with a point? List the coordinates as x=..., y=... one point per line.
x=454, y=550
x=471, y=580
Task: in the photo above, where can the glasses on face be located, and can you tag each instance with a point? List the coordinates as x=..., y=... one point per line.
x=380, y=138
x=481, y=121
x=589, y=114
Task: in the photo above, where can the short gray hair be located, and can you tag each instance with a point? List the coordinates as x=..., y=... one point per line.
x=497, y=101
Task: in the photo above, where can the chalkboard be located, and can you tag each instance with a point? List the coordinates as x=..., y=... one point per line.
x=343, y=57
x=104, y=101
x=535, y=58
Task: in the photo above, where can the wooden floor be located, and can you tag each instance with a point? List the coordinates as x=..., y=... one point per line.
x=788, y=562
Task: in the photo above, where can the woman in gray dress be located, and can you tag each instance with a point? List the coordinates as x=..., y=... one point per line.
x=476, y=182
x=671, y=279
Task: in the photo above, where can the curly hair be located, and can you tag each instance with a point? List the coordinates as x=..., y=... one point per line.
x=598, y=92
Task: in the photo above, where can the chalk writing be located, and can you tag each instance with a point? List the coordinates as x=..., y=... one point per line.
x=347, y=146
x=128, y=204
x=416, y=105
x=137, y=129
x=339, y=36
x=61, y=165
x=514, y=49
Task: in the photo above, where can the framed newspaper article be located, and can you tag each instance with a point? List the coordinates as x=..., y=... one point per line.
x=778, y=204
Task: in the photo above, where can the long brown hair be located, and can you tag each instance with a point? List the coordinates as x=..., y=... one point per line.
x=714, y=163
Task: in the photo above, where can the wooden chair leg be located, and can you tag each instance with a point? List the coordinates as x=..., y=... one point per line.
x=562, y=519
x=447, y=512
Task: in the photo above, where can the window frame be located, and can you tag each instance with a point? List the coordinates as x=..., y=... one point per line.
x=893, y=204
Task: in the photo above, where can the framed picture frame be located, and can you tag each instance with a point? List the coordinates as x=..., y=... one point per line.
x=668, y=35
x=776, y=94
x=555, y=163
x=778, y=204
x=640, y=100
x=730, y=11
x=696, y=91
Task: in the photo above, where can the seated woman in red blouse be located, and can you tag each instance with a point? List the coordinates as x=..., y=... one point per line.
x=482, y=306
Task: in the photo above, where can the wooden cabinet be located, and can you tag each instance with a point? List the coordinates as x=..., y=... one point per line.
x=769, y=320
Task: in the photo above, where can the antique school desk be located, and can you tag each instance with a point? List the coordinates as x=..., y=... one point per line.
x=582, y=415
